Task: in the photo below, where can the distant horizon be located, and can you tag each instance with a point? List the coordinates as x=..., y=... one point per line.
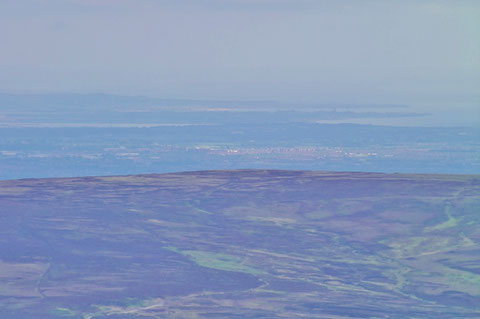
x=432, y=115
x=467, y=101
x=273, y=101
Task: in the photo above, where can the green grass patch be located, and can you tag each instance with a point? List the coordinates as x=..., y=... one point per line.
x=63, y=312
x=462, y=277
x=450, y=222
x=217, y=261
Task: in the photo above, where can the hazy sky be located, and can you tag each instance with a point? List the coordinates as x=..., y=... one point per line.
x=405, y=51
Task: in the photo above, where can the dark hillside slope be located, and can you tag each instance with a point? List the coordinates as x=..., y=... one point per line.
x=241, y=244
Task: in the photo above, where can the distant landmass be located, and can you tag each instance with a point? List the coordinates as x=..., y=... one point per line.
x=94, y=101
x=67, y=110
x=241, y=244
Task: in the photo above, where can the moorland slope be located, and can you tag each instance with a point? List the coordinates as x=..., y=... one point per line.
x=241, y=244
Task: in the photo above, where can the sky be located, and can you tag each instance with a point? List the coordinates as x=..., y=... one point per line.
x=415, y=52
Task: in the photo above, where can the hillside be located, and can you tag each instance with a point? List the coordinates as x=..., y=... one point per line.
x=241, y=244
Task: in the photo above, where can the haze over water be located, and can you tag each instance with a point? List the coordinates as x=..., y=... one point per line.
x=425, y=54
